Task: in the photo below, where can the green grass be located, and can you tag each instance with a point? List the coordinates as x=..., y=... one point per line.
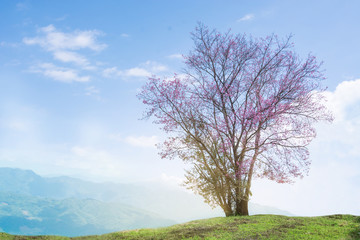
x=246, y=227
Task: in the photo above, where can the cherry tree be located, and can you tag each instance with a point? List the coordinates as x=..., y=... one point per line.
x=245, y=109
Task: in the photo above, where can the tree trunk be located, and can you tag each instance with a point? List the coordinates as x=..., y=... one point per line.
x=228, y=211
x=242, y=208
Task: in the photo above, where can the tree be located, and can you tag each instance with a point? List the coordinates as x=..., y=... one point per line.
x=245, y=108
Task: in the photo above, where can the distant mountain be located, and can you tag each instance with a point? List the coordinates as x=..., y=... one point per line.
x=70, y=198
x=30, y=215
x=155, y=197
x=27, y=182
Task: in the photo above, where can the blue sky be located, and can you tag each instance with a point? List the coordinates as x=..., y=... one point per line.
x=70, y=71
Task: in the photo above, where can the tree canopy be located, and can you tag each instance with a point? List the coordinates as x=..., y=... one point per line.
x=245, y=108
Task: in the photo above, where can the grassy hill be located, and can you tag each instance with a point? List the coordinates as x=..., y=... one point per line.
x=249, y=227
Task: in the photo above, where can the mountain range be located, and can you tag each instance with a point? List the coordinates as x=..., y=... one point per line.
x=34, y=205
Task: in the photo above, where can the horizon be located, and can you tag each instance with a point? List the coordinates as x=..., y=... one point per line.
x=169, y=189
x=70, y=72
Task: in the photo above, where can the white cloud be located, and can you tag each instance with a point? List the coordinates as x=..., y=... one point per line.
x=65, y=76
x=154, y=67
x=59, y=73
x=175, y=56
x=146, y=69
x=136, y=141
x=67, y=56
x=142, y=141
x=345, y=96
x=110, y=72
x=64, y=47
x=136, y=72
x=247, y=17
x=54, y=40
x=125, y=35
x=343, y=136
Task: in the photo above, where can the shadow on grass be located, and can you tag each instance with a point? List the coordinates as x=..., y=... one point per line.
x=356, y=233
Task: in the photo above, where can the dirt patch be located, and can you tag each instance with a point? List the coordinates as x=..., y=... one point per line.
x=200, y=231
x=335, y=216
x=282, y=229
x=243, y=221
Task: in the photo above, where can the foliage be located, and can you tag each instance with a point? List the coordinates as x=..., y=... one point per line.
x=245, y=109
